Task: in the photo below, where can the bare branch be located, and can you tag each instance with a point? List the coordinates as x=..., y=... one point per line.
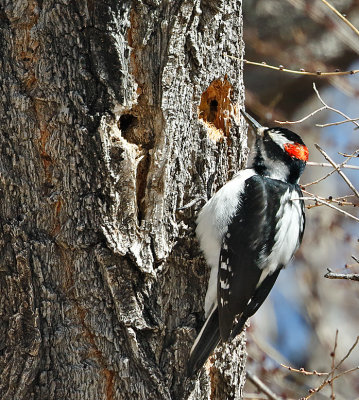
x=337, y=123
x=255, y=396
x=330, y=380
x=303, y=371
x=320, y=179
x=337, y=167
x=317, y=199
x=293, y=71
x=262, y=386
x=348, y=155
x=351, y=277
x=346, y=372
x=348, y=354
x=325, y=107
x=341, y=16
x=332, y=172
x=342, y=165
x=326, y=382
x=296, y=72
x=331, y=108
x=332, y=354
x=341, y=201
x=302, y=119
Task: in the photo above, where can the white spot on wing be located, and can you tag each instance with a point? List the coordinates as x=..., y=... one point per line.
x=224, y=284
x=224, y=266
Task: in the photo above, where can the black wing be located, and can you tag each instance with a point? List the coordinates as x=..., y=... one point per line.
x=205, y=343
x=245, y=247
x=260, y=294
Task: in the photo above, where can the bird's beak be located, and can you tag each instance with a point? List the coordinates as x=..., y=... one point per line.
x=256, y=126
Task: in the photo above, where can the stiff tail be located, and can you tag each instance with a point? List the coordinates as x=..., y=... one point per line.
x=204, y=344
x=257, y=300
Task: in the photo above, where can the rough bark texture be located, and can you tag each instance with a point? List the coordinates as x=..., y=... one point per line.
x=101, y=279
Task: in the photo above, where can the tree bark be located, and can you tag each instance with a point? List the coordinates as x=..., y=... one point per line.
x=113, y=115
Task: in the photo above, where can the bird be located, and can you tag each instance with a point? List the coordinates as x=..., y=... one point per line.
x=249, y=231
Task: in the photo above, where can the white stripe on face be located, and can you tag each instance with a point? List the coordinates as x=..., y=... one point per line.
x=278, y=138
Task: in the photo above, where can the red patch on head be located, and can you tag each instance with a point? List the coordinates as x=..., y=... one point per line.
x=297, y=150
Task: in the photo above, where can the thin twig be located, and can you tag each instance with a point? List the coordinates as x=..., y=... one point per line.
x=254, y=396
x=318, y=164
x=326, y=382
x=325, y=107
x=304, y=372
x=262, y=386
x=315, y=198
x=321, y=179
x=330, y=199
x=329, y=380
x=302, y=119
x=332, y=172
x=301, y=72
x=348, y=353
x=351, y=277
x=331, y=108
x=346, y=372
x=341, y=201
x=341, y=173
x=332, y=354
x=337, y=123
x=348, y=155
x=341, y=16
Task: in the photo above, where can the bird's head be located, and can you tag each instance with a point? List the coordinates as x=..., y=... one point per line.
x=280, y=153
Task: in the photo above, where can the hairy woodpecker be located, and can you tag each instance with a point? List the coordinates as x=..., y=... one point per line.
x=248, y=231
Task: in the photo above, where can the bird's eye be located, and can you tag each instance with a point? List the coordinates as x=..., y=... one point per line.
x=266, y=137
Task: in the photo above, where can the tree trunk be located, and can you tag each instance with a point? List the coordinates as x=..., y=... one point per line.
x=113, y=115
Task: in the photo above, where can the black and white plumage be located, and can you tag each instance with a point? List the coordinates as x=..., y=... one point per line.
x=248, y=231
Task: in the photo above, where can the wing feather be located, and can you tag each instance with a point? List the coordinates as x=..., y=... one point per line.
x=244, y=273
x=239, y=270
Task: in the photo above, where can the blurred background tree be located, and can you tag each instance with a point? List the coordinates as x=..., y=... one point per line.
x=297, y=326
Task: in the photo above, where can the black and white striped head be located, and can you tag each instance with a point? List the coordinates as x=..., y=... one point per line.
x=280, y=153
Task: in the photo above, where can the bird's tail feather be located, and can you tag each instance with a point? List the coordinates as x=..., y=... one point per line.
x=205, y=343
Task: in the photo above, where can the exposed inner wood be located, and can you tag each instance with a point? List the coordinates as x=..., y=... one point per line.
x=216, y=109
